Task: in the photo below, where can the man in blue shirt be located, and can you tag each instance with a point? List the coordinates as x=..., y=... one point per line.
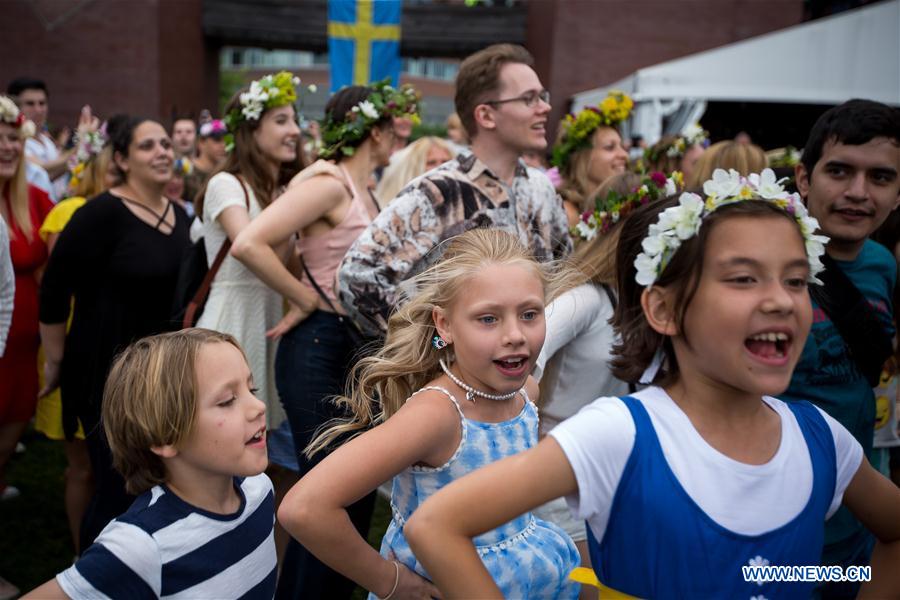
x=850, y=178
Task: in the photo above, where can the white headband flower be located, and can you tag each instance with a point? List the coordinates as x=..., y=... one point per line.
x=679, y=223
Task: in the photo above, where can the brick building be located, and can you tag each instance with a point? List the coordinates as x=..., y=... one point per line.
x=161, y=57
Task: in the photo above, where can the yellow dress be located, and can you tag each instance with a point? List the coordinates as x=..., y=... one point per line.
x=48, y=417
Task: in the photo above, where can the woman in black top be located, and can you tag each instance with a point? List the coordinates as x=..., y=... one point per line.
x=118, y=258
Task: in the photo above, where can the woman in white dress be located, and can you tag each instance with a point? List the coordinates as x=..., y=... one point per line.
x=264, y=142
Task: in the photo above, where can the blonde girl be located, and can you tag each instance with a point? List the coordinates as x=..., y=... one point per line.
x=449, y=392
x=23, y=208
x=687, y=482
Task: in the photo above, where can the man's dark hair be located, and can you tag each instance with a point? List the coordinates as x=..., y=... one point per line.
x=855, y=122
x=20, y=84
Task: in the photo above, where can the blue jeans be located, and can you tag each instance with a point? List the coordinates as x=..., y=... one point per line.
x=311, y=367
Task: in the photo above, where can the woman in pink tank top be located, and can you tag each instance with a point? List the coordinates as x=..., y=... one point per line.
x=326, y=206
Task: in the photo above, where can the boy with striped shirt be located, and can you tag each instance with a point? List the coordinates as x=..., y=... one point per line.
x=188, y=435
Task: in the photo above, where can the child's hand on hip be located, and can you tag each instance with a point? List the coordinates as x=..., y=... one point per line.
x=412, y=585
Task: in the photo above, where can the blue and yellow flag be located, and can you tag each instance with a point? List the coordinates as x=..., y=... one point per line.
x=363, y=41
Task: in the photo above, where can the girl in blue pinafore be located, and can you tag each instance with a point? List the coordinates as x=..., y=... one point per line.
x=691, y=483
x=453, y=387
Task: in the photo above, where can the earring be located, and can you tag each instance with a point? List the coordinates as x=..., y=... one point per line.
x=438, y=342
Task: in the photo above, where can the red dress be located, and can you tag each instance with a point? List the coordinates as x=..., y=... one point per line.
x=18, y=365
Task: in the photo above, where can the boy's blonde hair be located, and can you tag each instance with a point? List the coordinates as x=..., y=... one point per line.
x=380, y=384
x=150, y=399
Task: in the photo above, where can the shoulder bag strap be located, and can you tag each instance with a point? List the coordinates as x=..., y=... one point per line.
x=319, y=290
x=374, y=200
x=203, y=290
x=855, y=319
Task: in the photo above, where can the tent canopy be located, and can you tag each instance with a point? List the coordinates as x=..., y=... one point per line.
x=855, y=54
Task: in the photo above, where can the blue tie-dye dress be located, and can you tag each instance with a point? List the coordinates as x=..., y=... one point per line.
x=527, y=557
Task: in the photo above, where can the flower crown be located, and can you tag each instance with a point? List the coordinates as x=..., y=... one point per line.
x=679, y=223
x=615, y=207
x=87, y=146
x=10, y=113
x=384, y=101
x=578, y=129
x=271, y=91
x=693, y=135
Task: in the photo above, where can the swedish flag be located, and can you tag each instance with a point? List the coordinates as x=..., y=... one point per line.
x=363, y=41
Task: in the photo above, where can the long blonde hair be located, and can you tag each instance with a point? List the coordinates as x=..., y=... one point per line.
x=16, y=189
x=379, y=385
x=406, y=165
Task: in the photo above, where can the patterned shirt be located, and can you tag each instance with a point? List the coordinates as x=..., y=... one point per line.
x=459, y=195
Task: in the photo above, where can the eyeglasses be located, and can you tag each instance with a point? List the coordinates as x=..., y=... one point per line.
x=528, y=98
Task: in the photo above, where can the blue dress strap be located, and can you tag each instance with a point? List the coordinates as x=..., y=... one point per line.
x=683, y=552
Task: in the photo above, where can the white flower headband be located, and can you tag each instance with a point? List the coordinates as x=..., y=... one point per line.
x=9, y=113
x=679, y=223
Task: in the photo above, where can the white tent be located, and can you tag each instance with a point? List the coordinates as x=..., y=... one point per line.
x=855, y=54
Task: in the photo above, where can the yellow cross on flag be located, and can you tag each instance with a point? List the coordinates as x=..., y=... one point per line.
x=363, y=41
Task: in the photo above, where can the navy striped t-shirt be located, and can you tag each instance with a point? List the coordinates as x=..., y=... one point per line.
x=163, y=547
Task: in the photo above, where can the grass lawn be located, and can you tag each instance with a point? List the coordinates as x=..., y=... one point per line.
x=35, y=543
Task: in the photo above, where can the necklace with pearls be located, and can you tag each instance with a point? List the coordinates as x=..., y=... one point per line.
x=472, y=392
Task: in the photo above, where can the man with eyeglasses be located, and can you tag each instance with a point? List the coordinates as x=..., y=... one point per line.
x=504, y=109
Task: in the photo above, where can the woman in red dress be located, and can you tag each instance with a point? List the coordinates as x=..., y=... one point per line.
x=24, y=208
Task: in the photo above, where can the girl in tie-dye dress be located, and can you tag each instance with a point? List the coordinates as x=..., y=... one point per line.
x=453, y=389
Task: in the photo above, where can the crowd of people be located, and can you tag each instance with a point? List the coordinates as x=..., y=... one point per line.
x=643, y=373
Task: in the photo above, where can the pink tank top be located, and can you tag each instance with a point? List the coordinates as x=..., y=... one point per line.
x=323, y=253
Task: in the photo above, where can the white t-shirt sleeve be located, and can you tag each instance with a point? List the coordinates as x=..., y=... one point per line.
x=597, y=443
x=849, y=454
x=223, y=191
x=567, y=317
